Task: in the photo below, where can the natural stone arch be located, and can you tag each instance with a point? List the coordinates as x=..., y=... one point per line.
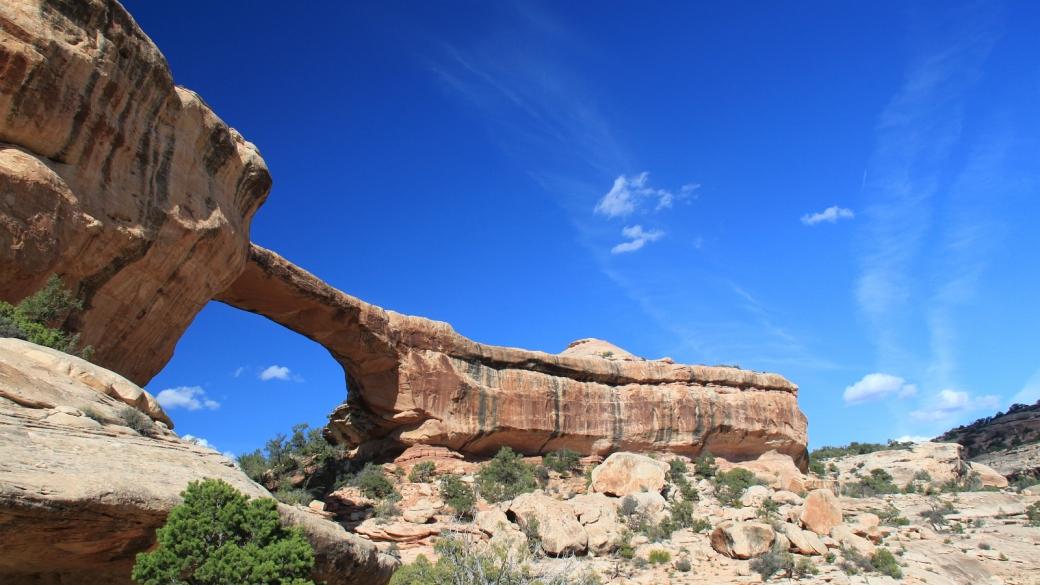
x=416, y=381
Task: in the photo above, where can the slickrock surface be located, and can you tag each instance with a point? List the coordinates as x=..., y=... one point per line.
x=416, y=381
x=80, y=498
x=129, y=188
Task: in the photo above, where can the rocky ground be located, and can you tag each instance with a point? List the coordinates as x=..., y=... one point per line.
x=979, y=536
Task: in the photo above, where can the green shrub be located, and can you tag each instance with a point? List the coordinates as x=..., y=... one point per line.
x=936, y=514
x=830, y=557
x=324, y=466
x=889, y=516
x=805, y=567
x=293, y=496
x=422, y=472
x=505, y=477
x=682, y=513
x=817, y=468
x=704, y=465
x=771, y=563
x=885, y=563
x=218, y=535
x=879, y=482
x=701, y=525
x=374, y=484
x=625, y=549
x=731, y=485
x=563, y=460
x=855, y=562
x=93, y=414
x=659, y=557
x=136, y=420
x=38, y=318
x=458, y=495
x=1033, y=514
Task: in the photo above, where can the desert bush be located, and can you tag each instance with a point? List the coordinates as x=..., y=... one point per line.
x=463, y=561
x=1033, y=514
x=936, y=514
x=855, y=562
x=505, y=476
x=704, y=465
x=625, y=549
x=731, y=485
x=771, y=563
x=374, y=484
x=38, y=318
x=805, y=567
x=563, y=460
x=877, y=483
x=293, y=496
x=701, y=525
x=885, y=563
x=305, y=452
x=219, y=535
x=422, y=472
x=682, y=513
x=889, y=516
x=458, y=495
x=136, y=420
x=659, y=557
x=93, y=414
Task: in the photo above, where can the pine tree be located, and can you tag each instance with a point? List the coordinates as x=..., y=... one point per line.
x=218, y=536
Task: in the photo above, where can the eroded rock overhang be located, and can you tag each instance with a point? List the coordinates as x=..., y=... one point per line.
x=416, y=381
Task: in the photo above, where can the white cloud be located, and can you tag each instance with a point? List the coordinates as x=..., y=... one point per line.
x=639, y=239
x=626, y=195
x=831, y=214
x=877, y=386
x=951, y=402
x=238, y=372
x=199, y=441
x=913, y=439
x=273, y=372
x=192, y=398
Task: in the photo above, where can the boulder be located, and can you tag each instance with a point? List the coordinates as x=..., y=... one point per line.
x=417, y=381
x=821, y=512
x=988, y=476
x=783, y=497
x=651, y=505
x=848, y=539
x=598, y=514
x=421, y=512
x=754, y=496
x=558, y=527
x=379, y=530
x=742, y=540
x=867, y=519
x=78, y=502
x=628, y=473
x=779, y=470
x=127, y=186
x=804, y=542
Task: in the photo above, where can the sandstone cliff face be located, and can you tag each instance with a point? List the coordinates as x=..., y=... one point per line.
x=415, y=381
x=80, y=498
x=126, y=186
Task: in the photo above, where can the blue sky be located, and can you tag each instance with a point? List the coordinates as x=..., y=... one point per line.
x=844, y=193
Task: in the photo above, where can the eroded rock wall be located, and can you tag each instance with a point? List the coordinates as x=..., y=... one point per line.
x=81, y=495
x=415, y=381
x=129, y=188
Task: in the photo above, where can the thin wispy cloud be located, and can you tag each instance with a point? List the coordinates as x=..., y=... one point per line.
x=922, y=223
x=950, y=402
x=639, y=238
x=877, y=387
x=275, y=373
x=831, y=214
x=189, y=398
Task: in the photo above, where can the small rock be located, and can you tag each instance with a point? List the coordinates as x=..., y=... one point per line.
x=787, y=497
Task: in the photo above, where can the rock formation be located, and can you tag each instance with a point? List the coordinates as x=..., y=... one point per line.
x=415, y=381
x=127, y=187
x=81, y=493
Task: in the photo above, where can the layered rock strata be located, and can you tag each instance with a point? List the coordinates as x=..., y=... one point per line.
x=81, y=493
x=129, y=188
x=415, y=381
